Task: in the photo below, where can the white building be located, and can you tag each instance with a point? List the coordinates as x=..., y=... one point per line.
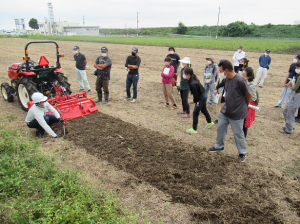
x=296, y=22
x=56, y=27
x=67, y=29
x=81, y=30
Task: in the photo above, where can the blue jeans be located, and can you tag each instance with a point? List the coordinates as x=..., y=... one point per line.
x=237, y=129
x=132, y=80
x=210, y=87
x=49, y=118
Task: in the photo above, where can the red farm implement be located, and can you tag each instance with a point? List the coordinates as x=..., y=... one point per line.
x=29, y=77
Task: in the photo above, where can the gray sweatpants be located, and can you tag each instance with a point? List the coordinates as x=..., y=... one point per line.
x=293, y=103
x=237, y=129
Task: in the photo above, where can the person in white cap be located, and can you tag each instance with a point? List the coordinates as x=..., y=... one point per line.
x=184, y=89
x=37, y=117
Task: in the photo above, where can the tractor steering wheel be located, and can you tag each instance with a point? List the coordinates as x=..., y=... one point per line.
x=31, y=63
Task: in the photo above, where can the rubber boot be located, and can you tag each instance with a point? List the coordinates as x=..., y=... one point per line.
x=106, y=95
x=99, y=98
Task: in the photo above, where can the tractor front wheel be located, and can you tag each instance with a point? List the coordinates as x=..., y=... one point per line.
x=7, y=92
x=25, y=88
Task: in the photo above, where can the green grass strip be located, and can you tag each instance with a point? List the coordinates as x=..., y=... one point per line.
x=32, y=190
x=249, y=44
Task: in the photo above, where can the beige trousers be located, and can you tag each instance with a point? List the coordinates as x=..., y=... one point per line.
x=167, y=90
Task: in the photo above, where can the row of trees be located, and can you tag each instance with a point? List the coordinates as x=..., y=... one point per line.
x=241, y=29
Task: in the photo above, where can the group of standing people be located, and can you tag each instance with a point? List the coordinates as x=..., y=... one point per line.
x=103, y=65
x=235, y=86
x=291, y=96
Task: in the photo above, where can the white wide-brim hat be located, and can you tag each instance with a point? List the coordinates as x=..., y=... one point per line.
x=186, y=60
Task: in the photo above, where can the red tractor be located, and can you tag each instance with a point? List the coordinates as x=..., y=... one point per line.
x=29, y=77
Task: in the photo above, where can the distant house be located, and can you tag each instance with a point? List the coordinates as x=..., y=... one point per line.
x=67, y=29
x=81, y=30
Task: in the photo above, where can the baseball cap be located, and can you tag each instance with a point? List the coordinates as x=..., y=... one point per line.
x=298, y=55
x=268, y=51
x=223, y=59
x=75, y=48
x=211, y=58
x=104, y=49
x=134, y=50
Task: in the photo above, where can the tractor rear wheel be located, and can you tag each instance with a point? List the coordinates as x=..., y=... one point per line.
x=25, y=88
x=63, y=81
x=7, y=92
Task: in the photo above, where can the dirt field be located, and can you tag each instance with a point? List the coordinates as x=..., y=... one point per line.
x=141, y=150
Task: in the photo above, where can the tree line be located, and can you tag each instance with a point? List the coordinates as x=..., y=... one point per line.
x=234, y=29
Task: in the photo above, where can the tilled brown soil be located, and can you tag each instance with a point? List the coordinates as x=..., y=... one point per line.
x=141, y=150
x=224, y=190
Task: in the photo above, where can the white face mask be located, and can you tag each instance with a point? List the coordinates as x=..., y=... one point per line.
x=266, y=54
x=171, y=52
x=297, y=71
x=209, y=62
x=184, y=76
x=221, y=75
x=167, y=63
x=295, y=60
x=104, y=54
x=75, y=52
x=239, y=50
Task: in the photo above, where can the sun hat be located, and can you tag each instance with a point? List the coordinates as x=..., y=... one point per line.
x=211, y=58
x=186, y=60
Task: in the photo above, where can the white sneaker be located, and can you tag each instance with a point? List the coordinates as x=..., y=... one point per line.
x=132, y=101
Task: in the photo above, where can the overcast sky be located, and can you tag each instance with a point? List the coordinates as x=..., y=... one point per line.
x=154, y=13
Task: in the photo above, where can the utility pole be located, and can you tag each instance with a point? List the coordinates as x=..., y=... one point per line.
x=137, y=24
x=83, y=20
x=218, y=23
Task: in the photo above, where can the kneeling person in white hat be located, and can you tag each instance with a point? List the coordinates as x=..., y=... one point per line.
x=37, y=117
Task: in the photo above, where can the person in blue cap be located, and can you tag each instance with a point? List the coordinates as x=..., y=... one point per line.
x=264, y=64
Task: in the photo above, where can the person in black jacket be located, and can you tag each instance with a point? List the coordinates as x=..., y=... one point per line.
x=200, y=98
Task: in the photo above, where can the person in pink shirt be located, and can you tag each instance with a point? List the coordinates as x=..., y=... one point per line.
x=167, y=75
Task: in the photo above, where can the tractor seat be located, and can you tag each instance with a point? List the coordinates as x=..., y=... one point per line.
x=43, y=62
